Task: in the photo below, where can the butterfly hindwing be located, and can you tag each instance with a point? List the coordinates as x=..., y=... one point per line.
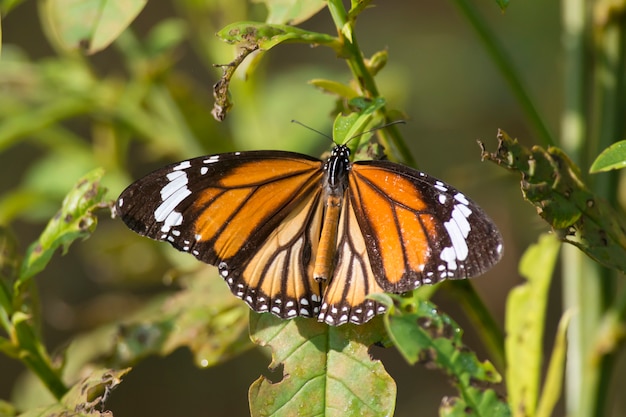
x=353, y=279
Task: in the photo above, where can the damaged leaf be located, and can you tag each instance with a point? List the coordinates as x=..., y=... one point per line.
x=75, y=220
x=326, y=370
x=85, y=399
x=554, y=185
x=422, y=334
x=255, y=37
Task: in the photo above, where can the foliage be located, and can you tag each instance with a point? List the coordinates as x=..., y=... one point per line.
x=153, y=113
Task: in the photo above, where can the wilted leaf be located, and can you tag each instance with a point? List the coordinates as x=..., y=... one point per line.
x=327, y=371
x=85, y=399
x=204, y=316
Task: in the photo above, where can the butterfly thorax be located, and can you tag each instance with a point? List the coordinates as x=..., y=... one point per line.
x=336, y=170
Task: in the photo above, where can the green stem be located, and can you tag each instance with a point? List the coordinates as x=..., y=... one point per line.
x=477, y=311
x=506, y=67
x=574, y=264
x=360, y=72
x=609, y=77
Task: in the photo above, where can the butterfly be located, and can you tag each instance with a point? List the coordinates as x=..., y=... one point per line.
x=300, y=237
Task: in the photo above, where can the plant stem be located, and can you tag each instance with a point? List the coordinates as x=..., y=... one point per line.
x=365, y=80
x=609, y=105
x=573, y=134
x=507, y=69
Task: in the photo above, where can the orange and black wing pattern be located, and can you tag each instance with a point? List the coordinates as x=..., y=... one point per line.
x=254, y=215
x=400, y=229
x=296, y=236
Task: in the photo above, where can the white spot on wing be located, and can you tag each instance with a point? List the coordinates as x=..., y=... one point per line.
x=182, y=165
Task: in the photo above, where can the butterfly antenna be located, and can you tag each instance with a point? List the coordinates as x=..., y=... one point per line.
x=311, y=129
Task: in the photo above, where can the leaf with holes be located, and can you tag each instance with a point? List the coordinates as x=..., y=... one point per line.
x=327, y=371
x=75, y=220
x=86, y=398
x=554, y=185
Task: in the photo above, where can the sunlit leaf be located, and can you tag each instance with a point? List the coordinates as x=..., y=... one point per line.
x=326, y=371
x=88, y=25
x=552, y=387
x=525, y=323
x=613, y=157
x=351, y=125
x=291, y=12
x=334, y=87
x=7, y=409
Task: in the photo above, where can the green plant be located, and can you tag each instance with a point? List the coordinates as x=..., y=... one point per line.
x=154, y=113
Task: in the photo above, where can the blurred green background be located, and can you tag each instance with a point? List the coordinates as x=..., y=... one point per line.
x=437, y=73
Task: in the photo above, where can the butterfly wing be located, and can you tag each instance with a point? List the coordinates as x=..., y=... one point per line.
x=353, y=279
x=419, y=230
x=255, y=215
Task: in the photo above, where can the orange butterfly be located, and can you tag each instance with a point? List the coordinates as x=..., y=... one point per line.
x=297, y=236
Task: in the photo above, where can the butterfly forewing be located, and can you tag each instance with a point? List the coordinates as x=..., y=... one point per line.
x=252, y=214
x=421, y=230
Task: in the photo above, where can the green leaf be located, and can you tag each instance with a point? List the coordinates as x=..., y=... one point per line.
x=553, y=385
x=88, y=25
x=265, y=36
x=75, y=220
x=327, y=371
x=613, y=157
x=421, y=333
x=334, y=87
x=503, y=4
x=525, y=323
x=354, y=124
x=85, y=399
x=7, y=409
x=291, y=12
x=554, y=185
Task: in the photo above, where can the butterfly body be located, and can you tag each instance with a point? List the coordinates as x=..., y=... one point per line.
x=296, y=236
